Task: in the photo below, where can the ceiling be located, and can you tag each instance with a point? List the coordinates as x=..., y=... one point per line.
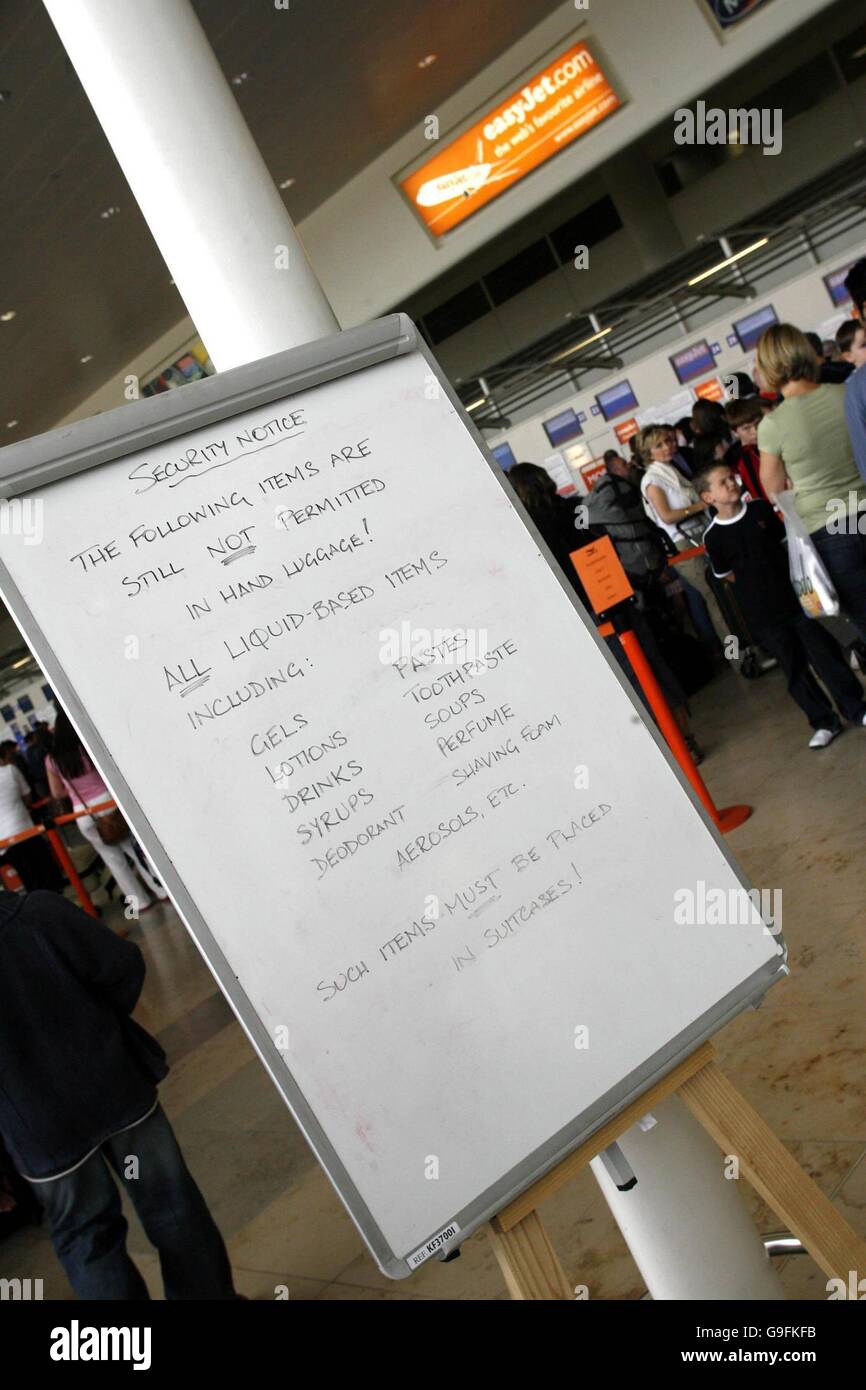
x=330, y=84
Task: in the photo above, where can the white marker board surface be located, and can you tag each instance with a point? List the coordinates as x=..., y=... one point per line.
x=435, y=874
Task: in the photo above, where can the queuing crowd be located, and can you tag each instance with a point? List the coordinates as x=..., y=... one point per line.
x=692, y=515
x=52, y=775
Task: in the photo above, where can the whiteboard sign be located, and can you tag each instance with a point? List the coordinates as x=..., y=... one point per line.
x=396, y=787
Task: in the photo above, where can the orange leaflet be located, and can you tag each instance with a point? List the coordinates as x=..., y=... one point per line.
x=602, y=575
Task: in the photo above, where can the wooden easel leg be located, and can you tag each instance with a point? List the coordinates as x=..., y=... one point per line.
x=528, y=1261
x=775, y=1175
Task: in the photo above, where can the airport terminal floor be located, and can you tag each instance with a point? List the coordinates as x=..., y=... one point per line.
x=798, y=1059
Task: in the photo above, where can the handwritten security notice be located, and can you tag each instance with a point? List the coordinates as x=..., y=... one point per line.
x=396, y=777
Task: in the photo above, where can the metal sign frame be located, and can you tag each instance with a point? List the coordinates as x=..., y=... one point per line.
x=36, y=463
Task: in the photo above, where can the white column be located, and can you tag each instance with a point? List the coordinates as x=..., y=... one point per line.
x=196, y=173
x=174, y=125
x=685, y=1223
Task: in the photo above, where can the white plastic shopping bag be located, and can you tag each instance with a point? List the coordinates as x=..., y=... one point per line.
x=812, y=583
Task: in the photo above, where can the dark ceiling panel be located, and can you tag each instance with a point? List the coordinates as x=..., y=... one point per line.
x=330, y=85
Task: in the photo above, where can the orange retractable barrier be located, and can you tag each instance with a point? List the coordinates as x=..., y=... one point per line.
x=59, y=850
x=687, y=554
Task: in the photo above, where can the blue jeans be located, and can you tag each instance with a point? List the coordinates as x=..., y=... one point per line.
x=88, y=1228
x=844, y=559
x=802, y=645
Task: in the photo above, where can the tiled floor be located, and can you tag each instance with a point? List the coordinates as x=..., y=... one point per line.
x=799, y=1059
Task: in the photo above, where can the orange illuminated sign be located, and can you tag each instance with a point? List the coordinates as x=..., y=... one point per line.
x=591, y=472
x=558, y=105
x=710, y=390
x=625, y=430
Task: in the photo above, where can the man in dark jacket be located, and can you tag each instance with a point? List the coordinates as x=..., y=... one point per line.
x=78, y=1099
x=615, y=505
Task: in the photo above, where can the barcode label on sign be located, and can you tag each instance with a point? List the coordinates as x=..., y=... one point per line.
x=432, y=1246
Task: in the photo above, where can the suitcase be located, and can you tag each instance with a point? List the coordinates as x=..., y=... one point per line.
x=683, y=653
x=752, y=661
x=687, y=659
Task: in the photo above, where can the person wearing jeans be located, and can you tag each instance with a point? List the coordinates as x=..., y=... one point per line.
x=844, y=556
x=88, y=1228
x=79, y=1106
x=805, y=444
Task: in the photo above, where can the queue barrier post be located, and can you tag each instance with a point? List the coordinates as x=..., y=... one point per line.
x=609, y=591
x=730, y=817
x=64, y=859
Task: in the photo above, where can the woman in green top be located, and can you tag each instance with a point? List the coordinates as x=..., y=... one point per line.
x=805, y=445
